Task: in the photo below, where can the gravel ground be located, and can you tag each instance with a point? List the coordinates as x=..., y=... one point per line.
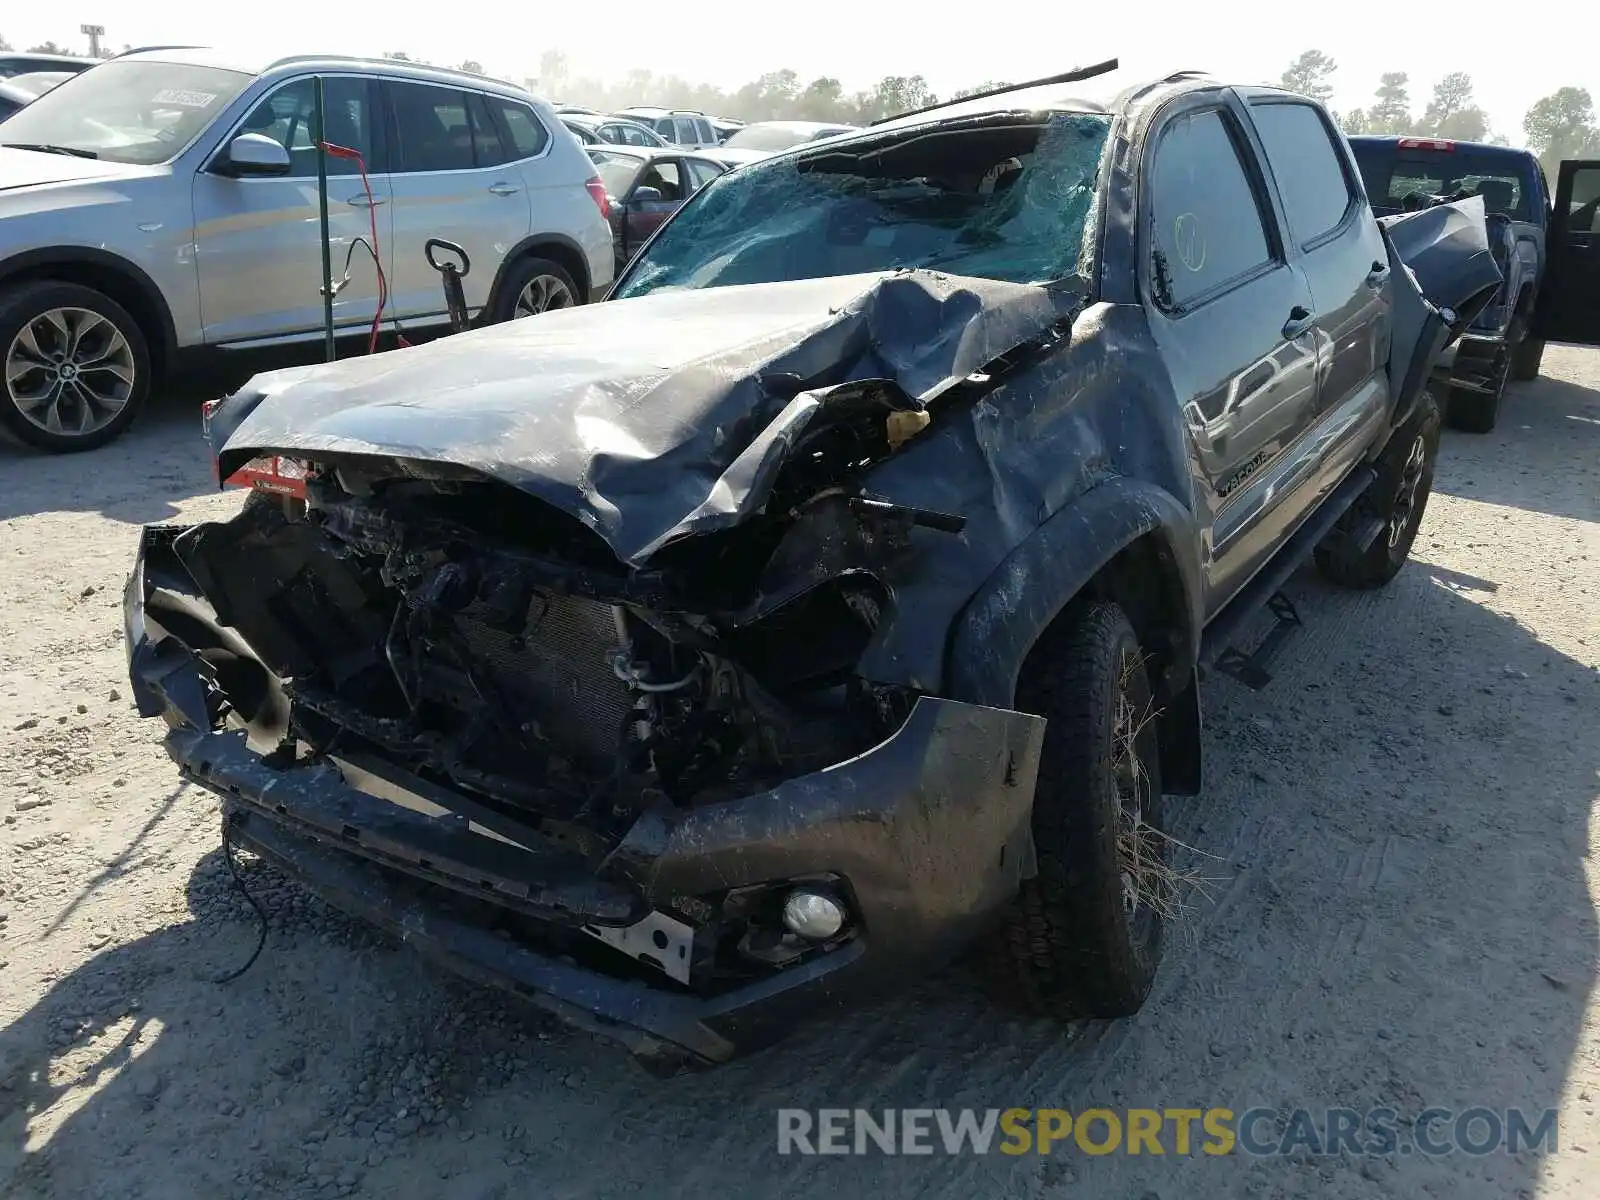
x=1403, y=914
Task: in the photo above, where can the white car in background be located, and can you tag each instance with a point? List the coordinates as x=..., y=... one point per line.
x=766, y=138
x=165, y=203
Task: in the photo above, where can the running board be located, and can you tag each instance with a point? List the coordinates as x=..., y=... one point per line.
x=1216, y=645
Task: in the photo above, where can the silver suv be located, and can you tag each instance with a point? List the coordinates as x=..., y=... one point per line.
x=165, y=202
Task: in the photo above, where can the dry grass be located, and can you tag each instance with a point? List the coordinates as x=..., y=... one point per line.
x=1146, y=853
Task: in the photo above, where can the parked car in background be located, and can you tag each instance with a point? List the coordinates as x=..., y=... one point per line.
x=724, y=127
x=576, y=110
x=21, y=90
x=829, y=601
x=13, y=64
x=766, y=138
x=681, y=127
x=1406, y=173
x=645, y=187
x=165, y=203
x=614, y=131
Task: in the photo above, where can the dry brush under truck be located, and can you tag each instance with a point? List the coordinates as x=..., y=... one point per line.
x=830, y=600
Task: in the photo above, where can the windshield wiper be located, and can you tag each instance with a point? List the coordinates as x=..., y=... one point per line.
x=47, y=148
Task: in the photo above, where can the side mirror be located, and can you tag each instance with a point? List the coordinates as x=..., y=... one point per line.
x=254, y=154
x=645, y=195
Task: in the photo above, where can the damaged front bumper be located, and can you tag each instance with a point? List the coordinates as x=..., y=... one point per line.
x=925, y=838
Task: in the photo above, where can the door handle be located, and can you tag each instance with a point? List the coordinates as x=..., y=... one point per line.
x=1378, y=276
x=504, y=189
x=366, y=201
x=1300, y=319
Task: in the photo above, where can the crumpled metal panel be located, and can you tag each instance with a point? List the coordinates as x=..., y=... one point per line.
x=648, y=419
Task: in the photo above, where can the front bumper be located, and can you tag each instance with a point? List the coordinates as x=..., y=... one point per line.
x=928, y=831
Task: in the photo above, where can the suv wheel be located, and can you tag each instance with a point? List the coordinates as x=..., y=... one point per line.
x=76, y=366
x=1083, y=937
x=1398, y=496
x=532, y=286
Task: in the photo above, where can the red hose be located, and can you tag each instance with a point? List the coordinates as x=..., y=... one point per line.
x=377, y=256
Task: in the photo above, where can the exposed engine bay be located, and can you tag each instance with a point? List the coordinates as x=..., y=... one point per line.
x=479, y=637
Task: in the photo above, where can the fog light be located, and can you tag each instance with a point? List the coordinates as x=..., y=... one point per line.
x=812, y=915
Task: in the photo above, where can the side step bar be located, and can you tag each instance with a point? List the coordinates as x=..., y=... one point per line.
x=1216, y=646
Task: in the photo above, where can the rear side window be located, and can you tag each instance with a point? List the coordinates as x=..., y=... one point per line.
x=1316, y=194
x=707, y=134
x=526, y=131
x=487, y=148
x=1403, y=177
x=1205, y=217
x=432, y=125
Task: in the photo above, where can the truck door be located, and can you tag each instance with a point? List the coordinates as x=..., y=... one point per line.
x=1333, y=237
x=1236, y=327
x=1568, y=308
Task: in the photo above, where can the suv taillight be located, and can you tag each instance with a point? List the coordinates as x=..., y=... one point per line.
x=597, y=193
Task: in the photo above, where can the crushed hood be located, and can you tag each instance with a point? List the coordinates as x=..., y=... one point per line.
x=1447, y=248
x=649, y=418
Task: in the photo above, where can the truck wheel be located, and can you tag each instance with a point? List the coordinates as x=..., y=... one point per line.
x=76, y=366
x=1398, y=496
x=1526, y=359
x=1083, y=937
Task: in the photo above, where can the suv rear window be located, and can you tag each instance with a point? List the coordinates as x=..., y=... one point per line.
x=1393, y=173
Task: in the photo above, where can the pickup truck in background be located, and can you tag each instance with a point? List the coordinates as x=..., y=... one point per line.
x=1506, y=340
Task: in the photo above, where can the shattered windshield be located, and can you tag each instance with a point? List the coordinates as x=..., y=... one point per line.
x=1008, y=201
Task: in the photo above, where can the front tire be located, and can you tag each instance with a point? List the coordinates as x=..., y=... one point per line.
x=1399, y=496
x=532, y=286
x=1083, y=937
x=76, y=367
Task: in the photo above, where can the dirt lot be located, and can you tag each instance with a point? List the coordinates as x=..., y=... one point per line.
x=1404, y=912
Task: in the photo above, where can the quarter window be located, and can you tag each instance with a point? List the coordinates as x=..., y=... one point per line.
x=1316, y=192
x=527, y=133
x=1205, y=218
x=288, y=117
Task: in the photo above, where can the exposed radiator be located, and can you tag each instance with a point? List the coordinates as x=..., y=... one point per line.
x=562, y=667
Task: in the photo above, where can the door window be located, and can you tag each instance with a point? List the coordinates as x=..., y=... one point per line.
x=288, y=117
x=708, y=136
x=633, y=135
x=487, y=148
x=527, y=133
x=1310, y=175
x=701, y=172
x=664, y=176
x=1205, y=217
x=686, y=135
x=665, y=128
x=433, y=128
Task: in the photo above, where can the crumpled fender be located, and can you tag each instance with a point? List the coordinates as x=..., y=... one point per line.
x=1007, y=614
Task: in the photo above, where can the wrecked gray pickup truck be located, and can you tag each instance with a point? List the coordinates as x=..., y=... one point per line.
x=831, y=599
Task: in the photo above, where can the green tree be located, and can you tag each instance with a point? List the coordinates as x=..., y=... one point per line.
x=1309, y=75
x=48, y=48
x=822, y=100
x=894, y=94
x=1452, y=113
x=988, y=85
x=4, y=45
x=555, y=73
x=1391, y=109
x=1562, y=125
x=1354, y=121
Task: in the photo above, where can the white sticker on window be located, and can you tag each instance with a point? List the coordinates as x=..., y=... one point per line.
x=184, y=99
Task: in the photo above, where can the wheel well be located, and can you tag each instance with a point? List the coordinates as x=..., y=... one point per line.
x=120, y=285
x=564, y=256
x=1144, y=580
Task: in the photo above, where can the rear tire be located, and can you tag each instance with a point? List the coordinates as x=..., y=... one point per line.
x=74, y=366
x=1083, y=937
x=1399, y=495
x=532, y=286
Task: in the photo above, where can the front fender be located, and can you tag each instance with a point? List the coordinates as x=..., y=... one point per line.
x=1004, y=618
